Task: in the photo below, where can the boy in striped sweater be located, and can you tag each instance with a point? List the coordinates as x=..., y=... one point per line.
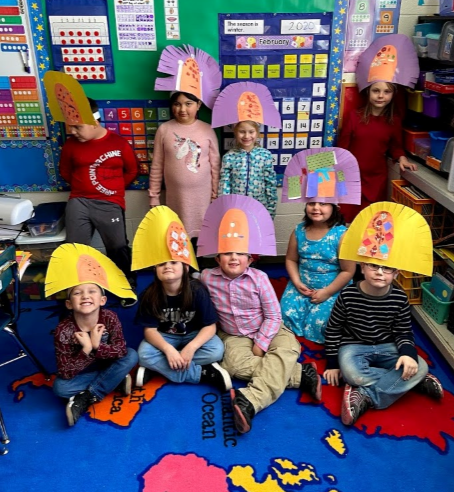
x=369, y=341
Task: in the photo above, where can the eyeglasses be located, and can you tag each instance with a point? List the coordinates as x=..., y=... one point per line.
x=384, y=269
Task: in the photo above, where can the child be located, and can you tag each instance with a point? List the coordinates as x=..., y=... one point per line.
x=369, y=339
x=374, y=131
x=316, y=274
x=176, y=312
x=258, y=347
x=322, y=178
x=247, y=169
x=92, y=357
x=98, y=165
x=186, y=153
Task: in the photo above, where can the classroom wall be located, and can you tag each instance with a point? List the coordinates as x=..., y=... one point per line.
x=288, y=215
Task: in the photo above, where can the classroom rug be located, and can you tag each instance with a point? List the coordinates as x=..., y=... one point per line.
x=180, y=438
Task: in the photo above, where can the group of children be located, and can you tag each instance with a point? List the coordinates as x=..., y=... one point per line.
x=229, y=323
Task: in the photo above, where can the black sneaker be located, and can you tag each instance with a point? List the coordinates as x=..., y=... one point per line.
x=243, y=411
x=214, y=375
x=354, y=404
x=78, y=405
x=311, y=381
x=125, y=386
x=430, y=386
x=143, y=376
x=129, y=302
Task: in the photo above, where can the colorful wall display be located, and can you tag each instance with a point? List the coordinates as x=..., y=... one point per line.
x=135, y=21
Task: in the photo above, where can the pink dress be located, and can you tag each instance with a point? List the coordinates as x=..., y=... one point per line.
x=187, y=157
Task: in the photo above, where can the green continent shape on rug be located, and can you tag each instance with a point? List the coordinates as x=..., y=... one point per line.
x=430, y=421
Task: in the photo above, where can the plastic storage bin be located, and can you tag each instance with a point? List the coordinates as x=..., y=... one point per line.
x=49, y=219
x=431, y=105
x=428, y=28
x=420, y=44
x=433, y=42
x=438, y=141
x=410, y=136
x=436, y=309
x=414, y=100
x=422, y=147
x=446, y=45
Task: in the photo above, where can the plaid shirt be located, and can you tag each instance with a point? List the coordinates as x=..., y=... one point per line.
x=246, y=306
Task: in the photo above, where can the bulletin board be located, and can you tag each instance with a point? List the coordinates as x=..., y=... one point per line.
x=135, y=73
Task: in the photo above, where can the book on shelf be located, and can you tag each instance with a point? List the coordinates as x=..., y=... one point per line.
x=441, y=288
x=23, y=261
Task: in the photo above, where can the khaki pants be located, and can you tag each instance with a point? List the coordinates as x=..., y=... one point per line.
x=269, y=375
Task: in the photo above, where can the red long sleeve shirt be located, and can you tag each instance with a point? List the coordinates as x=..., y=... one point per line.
x=71, y=359
x=99, y=169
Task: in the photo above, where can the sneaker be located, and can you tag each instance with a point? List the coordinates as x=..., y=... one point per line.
x=354, y=404
x=430, y=386
x=243, y=411
x=143, y=376
x=129, y=302
x=125, y=386
x=311, y=381
x=78, y=405
x=215, y=375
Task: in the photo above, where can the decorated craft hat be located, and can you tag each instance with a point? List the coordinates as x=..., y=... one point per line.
x=245, y=101
x=390, y=58
x=161, y=237
x=193, y=71
x=390, y=234
x=238, y=224
x=329, y=175
x=67, y=100
x=75, y=264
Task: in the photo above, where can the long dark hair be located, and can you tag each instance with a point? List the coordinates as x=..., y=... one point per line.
x=336, y=218
x=388, y=110
x=154, y=299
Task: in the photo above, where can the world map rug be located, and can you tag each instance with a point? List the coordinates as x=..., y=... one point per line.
x=166, y=437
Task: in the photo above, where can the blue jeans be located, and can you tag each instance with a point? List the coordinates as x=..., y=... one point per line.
x=100, y=379
x=372, y=369
x=152, y=358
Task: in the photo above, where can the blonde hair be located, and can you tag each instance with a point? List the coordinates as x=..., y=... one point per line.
x=256, y=125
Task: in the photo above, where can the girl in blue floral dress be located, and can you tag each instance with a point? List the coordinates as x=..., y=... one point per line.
x=316, y=273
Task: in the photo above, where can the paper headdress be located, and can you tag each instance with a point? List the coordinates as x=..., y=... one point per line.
x=75, y=264
x=245, y=101
x=329, y=175
x=389, y=58
x=192, y=70
x=67, y=100
x=390, y=234
x=236, y=224
x=161, y=237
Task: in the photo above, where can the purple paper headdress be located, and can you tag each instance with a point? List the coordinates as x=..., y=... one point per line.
x=236, y=224
x=245, y=101
x=329, y=175
x=389, y=58
x=192, y=70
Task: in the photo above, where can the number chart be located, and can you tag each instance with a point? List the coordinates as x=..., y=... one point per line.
x=290, y=54
x=137, y=121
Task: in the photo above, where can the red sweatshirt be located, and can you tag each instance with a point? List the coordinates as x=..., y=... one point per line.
x=99, y=169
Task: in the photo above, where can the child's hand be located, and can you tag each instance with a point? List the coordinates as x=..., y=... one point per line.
x=96, y=334
x=303, y=289
x=319, y=296
x=404, y=164
x=410, y=366
x=187, y=354
x=257, y=351
x=83, y=338
x=174, y=358
x=332, y=376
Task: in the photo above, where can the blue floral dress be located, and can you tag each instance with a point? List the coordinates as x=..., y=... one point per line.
x=318, y=267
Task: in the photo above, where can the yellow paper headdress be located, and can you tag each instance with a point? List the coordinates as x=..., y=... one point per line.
x=67, y=100
x=390, y=234
x=75, y=264
x=161, y=237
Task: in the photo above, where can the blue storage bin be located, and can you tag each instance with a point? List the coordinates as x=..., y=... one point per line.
x=428, y=28
x=438, y=141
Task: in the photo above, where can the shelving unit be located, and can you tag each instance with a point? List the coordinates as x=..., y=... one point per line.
x=436, y=187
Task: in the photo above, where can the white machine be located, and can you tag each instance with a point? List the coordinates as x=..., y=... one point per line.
x=14, y=211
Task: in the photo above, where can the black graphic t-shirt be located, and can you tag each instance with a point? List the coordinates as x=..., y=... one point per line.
x=177, y=322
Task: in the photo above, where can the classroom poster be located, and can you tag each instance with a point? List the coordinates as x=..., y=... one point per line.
x=135, y=23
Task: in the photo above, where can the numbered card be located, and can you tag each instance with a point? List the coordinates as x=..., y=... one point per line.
x=288, y=105
x=288, y=125
x=164, y=113
x=301, y=141
x=273, y=129
x=304, y=105
x=315, y=142
x=300, y=26
x=288, y=141
x=229, y=143
x=303, y=125
x=318, y=107
x=316, y=125
x=261, y=139
x=137, y=113
x=319, y=89
x=150, y=113
x=275, y=159
x=272, y=141
x=285, y=159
